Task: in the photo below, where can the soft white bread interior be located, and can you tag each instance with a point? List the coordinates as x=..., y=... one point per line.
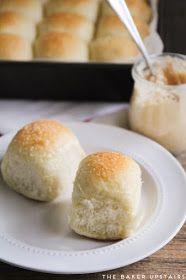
x=14, y=47
x=106, y=196
x=41, y=160
x=111, y=25
x=138, y=8
x=78, y=25
x=87, y=8
x=29, y=8
x=18, y=24
x=112, y=48
x=61, y=46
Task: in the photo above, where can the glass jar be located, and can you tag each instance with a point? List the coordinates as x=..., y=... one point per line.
x=158, y=110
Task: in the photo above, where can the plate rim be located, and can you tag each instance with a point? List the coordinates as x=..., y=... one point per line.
x=135, y=259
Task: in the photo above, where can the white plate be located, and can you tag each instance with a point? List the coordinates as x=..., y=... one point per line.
x=36, y=235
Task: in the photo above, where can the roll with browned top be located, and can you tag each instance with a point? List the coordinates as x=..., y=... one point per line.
x=106, y=196
x=61, y=46
x=18, y=24
x=41, y=161
x=111, y=25
x=77, y=25
x=30, y=8
x=138, y=8
x=14, y=47
x=87, y=8
x=113, y=48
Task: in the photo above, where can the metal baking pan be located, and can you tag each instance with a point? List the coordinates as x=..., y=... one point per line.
x=73, y=81
x=65, y=81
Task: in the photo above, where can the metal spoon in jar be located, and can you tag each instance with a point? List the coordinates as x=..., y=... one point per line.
x=121, y=9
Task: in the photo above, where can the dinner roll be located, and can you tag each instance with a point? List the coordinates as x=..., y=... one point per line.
x=16, y=23
x=112, y=48
x=106, y=196
x=14, y=47
x=75, y=24
x=138, y=8
x=61, y=46
x=43, y=2
x=112, y=26
x=88, y=8
x=30, y=8
x=106, y=9
x=41, y=160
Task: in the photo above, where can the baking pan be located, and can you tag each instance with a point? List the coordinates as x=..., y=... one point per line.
x=42, y=80
x=78, y=81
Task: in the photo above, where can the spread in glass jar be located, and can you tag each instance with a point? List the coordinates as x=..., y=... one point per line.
x=158, y=105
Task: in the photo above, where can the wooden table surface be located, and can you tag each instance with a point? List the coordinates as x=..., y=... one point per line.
x=169, y=261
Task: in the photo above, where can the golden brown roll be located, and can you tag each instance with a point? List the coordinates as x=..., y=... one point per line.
x=29, y=8
x=112, y=48
x=77, y=25
x=43, y=2
x=14, y=47
x=18, y=24
x=112, y=26
x=106, y=9
x=87, y=8
x=106, y=196
x=41, y=160
x=138, y=8
x=61, y=46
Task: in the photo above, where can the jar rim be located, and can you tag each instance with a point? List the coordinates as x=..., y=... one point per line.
x=136, y=75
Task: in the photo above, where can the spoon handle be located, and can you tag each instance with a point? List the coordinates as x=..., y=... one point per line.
x=121, y=9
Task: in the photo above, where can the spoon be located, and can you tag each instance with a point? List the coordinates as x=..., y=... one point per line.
x=121, y=9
